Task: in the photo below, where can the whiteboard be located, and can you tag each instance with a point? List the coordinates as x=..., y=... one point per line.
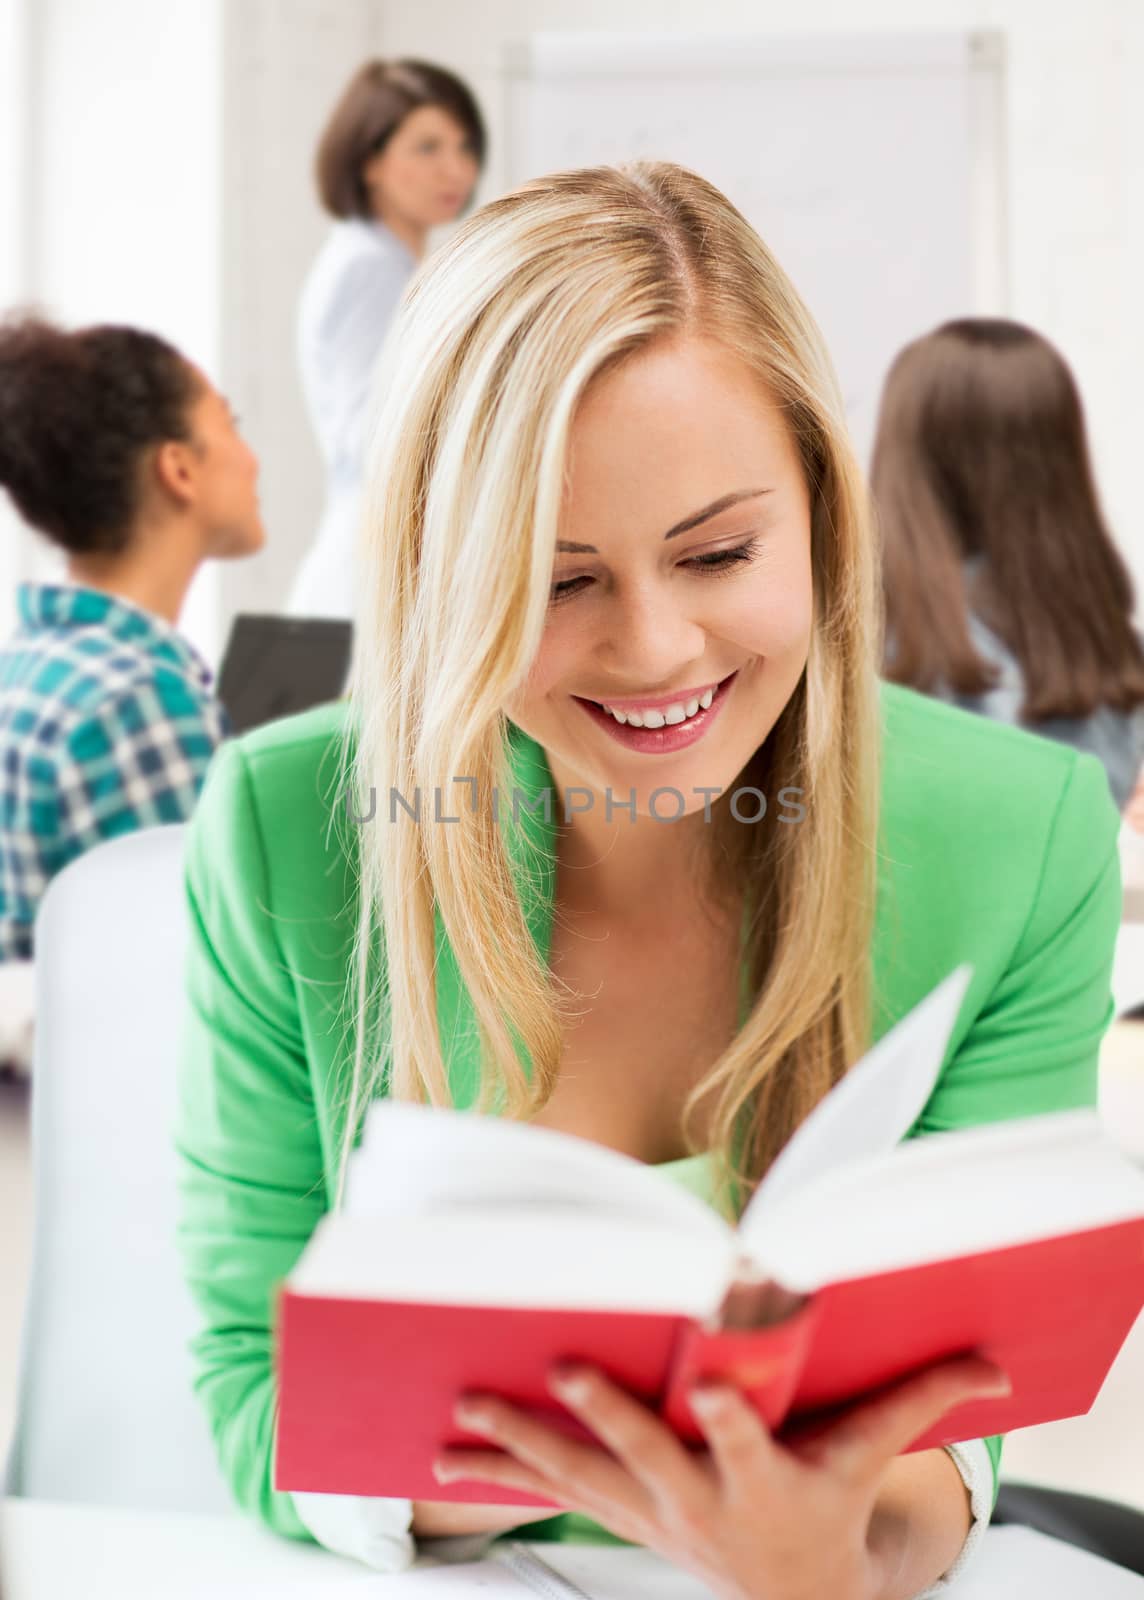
x=872, y=166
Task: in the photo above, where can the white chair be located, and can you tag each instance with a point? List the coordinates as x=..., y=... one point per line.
x=105, y=1412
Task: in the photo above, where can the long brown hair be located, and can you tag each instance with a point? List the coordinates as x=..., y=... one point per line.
x=987, y=503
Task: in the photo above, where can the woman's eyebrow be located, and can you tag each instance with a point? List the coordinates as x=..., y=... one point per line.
x=723, y=503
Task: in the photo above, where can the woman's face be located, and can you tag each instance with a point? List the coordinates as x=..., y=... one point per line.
x=227, y=477
x=426, y=172
x=682, y=586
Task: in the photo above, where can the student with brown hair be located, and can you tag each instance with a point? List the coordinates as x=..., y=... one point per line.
x=399, y=156
x=125, y=457
x=1004, y=590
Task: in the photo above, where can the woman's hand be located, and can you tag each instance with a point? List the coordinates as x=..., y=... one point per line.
x=753, y=1518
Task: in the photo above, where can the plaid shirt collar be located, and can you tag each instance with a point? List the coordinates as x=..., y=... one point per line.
x=57, y=607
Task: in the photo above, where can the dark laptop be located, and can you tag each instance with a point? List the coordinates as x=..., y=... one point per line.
x=275, y=666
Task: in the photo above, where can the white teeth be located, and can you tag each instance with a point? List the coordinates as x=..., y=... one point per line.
x=669, y=716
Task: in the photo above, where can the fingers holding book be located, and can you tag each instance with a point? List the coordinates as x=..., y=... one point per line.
x=750, y=1514
x=636, y=1479
x=860, y=1443
x=540, y=1460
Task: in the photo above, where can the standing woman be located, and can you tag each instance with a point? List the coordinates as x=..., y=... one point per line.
x=1004, y=590
x=124, y=456
x=617, y=546
x=400, y=155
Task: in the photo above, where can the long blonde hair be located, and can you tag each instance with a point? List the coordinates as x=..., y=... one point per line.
x=500, y=336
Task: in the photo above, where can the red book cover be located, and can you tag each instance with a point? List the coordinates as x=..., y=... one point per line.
x=368, y=1387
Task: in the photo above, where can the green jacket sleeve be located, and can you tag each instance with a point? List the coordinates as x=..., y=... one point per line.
x=1035, y=1047
x=251, y=1177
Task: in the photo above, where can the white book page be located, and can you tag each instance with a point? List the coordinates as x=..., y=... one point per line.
x=414, y=1160
x=869, y=1112
x=950, y=1195
x=538, y=1258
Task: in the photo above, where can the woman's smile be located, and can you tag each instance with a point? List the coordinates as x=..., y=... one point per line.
x=662, y=729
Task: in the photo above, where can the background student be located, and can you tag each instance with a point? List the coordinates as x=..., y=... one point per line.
x=125, y=457
x=400, y=155
x=1004, y=590
x=618, y=541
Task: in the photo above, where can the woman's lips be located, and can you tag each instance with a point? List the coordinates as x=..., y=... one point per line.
x=658, y=702
x=665, y=740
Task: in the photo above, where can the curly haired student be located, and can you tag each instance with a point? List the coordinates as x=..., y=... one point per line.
x=126, y=458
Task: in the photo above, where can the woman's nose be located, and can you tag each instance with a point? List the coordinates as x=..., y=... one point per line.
x=652, y=639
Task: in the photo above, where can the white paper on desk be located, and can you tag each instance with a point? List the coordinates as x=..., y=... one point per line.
x=1018, y=1564
x=597, y=1572
x=1012, y=1564
x=519, y=1571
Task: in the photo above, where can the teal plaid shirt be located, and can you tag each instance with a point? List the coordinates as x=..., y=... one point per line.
x=107, y=724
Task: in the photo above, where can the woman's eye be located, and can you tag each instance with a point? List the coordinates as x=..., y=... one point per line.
x=716, y=560
x=712, y=561
x=565, y=589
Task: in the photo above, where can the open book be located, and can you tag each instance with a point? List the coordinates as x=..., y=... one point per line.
x=473, y=1253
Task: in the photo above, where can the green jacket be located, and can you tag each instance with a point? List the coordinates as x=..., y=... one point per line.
x=996, y=847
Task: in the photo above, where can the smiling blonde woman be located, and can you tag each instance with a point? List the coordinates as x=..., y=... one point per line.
x=617, y=549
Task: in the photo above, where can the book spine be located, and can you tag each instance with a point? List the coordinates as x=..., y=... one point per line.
x=765, y=1363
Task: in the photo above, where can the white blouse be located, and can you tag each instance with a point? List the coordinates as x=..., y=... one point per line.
x=347, y=304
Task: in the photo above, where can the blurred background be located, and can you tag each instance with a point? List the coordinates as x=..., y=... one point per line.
x=157, y=168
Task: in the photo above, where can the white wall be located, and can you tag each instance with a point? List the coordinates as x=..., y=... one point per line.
x=14, y=152
x=128, y=134
x=1076, y=150
x=15, y=264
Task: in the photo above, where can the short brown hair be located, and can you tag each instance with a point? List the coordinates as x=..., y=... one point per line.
x=377, y=99
x=982, y=453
